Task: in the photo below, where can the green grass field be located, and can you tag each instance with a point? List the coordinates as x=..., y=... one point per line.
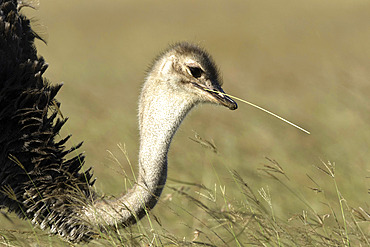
x=307, y=61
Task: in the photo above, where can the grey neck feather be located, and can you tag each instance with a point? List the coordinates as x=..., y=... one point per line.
x=161, y=111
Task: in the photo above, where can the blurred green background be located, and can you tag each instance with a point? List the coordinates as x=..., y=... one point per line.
x=307, y=61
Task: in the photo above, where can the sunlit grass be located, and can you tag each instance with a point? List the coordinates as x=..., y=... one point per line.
x=226, y=220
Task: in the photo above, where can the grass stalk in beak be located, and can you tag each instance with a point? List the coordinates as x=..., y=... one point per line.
x=262, y=109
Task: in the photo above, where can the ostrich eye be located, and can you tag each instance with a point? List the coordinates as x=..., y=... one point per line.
x=196, y=72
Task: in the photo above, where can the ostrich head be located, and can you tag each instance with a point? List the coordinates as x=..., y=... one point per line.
x=190, y=72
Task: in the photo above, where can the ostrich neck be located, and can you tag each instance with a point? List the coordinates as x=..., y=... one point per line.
x=159, y=117
x=160, y=114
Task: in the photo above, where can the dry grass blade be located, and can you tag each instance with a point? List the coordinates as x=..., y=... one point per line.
x=274, y=168
x=318, y=188
x=264, y=110
x=203, y=142
x=7, y=190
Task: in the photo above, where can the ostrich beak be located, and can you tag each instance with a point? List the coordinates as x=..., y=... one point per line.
x=223, y=99
x=218, y=95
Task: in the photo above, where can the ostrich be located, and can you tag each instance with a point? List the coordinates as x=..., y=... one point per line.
x=38, y=182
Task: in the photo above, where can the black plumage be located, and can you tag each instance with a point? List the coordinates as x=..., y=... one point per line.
x=37, y=181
